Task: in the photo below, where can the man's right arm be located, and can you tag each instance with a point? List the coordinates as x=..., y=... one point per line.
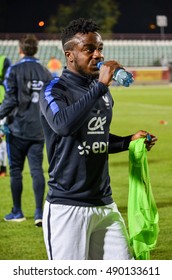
x=10, y=99
x=66, y=119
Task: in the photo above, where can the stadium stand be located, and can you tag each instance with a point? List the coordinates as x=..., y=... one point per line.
x=130, y=53
x=135, y=53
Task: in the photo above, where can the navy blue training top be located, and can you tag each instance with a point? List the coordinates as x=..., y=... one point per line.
x=76, y=116
x=23, y=83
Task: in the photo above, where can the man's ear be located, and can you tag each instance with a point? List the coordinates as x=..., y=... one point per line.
x=69, y=55
x=20, y=52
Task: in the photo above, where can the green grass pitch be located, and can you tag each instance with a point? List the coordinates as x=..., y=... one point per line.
x=138, y=107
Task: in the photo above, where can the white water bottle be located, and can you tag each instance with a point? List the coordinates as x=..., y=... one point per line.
x=121, y=76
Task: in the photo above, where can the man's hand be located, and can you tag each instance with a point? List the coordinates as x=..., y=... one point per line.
x=107, y=71
x=143, y=134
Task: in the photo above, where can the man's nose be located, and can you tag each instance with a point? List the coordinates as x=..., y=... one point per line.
x=97, y=53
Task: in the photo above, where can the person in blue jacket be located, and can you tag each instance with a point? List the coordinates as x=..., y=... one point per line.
x=5, y=62
x=23, y=83
x=80, y=220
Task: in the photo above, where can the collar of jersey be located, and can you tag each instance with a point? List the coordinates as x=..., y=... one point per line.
x=29, y=59
x=76, y=79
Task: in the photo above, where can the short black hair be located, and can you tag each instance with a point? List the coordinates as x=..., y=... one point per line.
x=29, y=44
x=80, y=25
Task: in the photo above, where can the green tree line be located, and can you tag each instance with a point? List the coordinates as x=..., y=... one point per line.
x=105, y=13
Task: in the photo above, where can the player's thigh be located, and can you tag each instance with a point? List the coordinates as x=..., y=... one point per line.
x=65, y=232
x=16, y=149
x=35, y=155
x=110, y=239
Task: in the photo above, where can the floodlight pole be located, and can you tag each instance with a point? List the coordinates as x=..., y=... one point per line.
x=162, y=31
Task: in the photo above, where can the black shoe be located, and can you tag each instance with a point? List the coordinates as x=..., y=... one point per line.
x=38, y=218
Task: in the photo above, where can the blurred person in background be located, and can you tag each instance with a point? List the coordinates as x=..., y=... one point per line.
x=54, y=66
x=3, y=150
x=4, y=64
x=23, y=83
x=164, y=61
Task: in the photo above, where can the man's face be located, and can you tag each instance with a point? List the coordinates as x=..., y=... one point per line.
x=85, y=54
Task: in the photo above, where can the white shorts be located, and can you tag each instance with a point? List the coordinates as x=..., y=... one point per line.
x=85, y=233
